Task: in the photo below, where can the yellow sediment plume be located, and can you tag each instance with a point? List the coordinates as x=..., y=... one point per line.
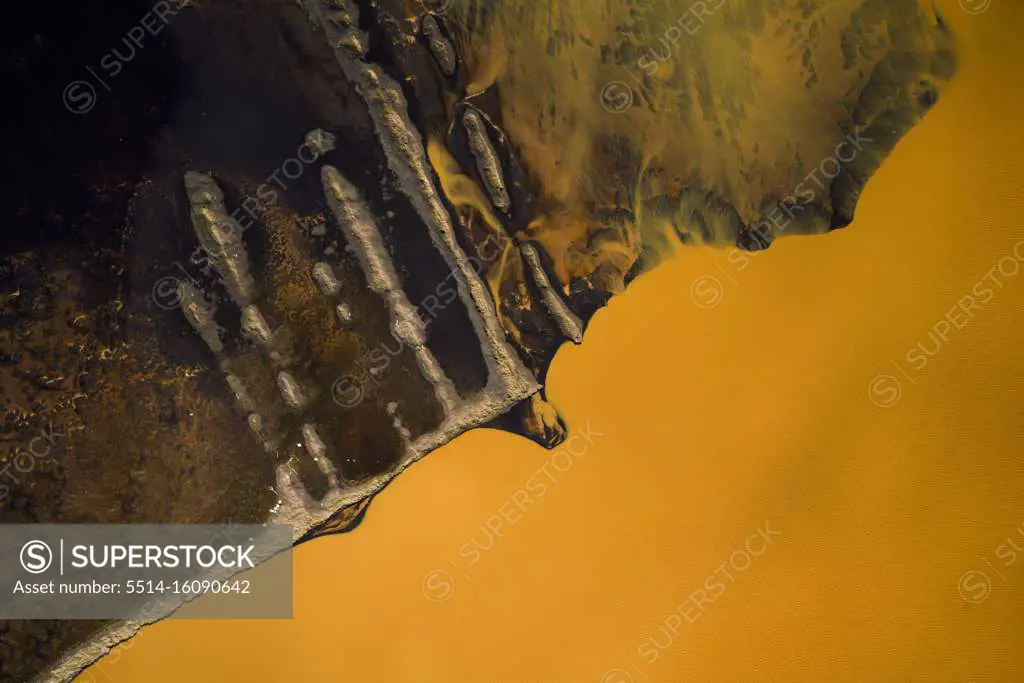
x=701, y=111
x=462, y=192
x=469, y=201
x=555, y=118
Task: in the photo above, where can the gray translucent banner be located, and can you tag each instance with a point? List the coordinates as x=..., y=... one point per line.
x=145, y=571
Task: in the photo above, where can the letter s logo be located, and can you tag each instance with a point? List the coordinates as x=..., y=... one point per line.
x=36, y=557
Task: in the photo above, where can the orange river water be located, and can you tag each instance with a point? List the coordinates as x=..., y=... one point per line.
x=772, y=489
